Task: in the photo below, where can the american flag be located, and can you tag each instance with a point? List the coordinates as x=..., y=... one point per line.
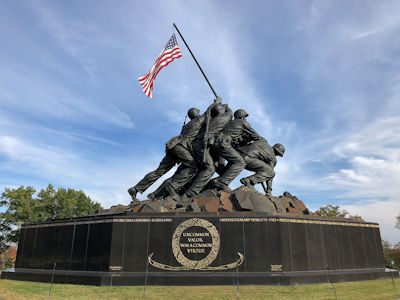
x=169, y=53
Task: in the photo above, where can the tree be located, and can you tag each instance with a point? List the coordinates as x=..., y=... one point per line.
x=7, y=257
x=64, y=203
x=4, y=234
x=20, y=208
x=331, y=211
x=23, y=207
x=398, y=221
x=386, y=246
x=391, y=254
x=334, y=211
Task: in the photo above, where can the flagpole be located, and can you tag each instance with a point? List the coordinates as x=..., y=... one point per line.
x=201, y=70
x=208, y=113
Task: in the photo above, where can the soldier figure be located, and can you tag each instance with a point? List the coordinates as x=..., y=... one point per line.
x=260, y=157
x=183, y=174
x=177, y=151
x=201, y=148
x=229, y=139
x=220, y=114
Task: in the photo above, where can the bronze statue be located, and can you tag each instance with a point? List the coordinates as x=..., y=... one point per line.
x=220, y=115
x=260, y=157
x=177, y=150
x=228, y=140
x=183, y=174
x=201, y=150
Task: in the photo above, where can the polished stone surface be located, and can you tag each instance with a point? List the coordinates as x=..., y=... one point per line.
x=199, y=248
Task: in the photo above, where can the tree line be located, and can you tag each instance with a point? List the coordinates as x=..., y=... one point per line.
x=26, y=205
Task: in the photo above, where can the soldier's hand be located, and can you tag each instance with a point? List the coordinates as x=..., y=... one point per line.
x=218, y=100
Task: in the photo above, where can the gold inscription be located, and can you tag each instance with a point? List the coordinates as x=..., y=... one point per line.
x=197, y=242
x=136, y=220
x=276, y=268
x=301, y=221
x=196, y=234
x=115, y=268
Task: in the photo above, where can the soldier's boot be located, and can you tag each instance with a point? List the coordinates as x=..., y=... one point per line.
x=220, y=186
x=158, y=194
x=247, y=182
x=133, y=192
x=171, y=191
x=152, y=196
x=211, y=184
x=184, y=201
x=189, y=193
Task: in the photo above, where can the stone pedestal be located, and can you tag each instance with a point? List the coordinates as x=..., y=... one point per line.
x=198, y=249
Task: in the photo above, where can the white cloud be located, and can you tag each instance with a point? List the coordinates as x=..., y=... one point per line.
x=381, y=212
x=374, y=161
x=106, y=182
x=40, y=94
x=44, y=83
x=38, y=160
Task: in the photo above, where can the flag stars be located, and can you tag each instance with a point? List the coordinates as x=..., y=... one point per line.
x=171, y=43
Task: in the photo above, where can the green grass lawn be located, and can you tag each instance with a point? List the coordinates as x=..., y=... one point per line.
x=372, y=289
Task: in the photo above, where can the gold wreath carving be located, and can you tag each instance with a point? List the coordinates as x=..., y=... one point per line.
x=182, y=268
x=176, y=239
x=188, y=264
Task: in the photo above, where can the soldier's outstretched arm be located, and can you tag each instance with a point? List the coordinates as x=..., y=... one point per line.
x=251, y=132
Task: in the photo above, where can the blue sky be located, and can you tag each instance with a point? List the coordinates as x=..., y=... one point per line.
x=321, y=77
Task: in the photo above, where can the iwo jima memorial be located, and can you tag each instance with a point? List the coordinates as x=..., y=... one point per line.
x=195, y=230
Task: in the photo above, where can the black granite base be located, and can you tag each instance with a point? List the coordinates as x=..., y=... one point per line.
x=196, y=278
x=198, y=249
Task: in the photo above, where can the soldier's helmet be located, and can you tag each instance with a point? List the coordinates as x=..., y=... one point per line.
x=240, y=113
x=217, y=110
x=279, y=148
x=193, y=113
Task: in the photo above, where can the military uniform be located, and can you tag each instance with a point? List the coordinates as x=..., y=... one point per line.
x=186, y=172
x=227, y=142
x=217, y=123
x=178, y=150
x=260, y=158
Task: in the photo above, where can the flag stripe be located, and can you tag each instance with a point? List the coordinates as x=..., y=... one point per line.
x=157, y=69
x=151, y=76
x=170, y=52
x=155, y=72
x=158, y=62
x=161, y=56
